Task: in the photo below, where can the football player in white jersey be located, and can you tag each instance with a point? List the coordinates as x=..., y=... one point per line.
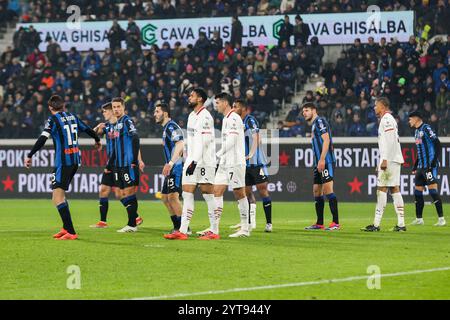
x=199, y=167
x=231, y=169
x=391, y=160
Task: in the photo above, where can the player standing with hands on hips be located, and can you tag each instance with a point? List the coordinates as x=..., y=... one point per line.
x=391, y=160
x=425, y=168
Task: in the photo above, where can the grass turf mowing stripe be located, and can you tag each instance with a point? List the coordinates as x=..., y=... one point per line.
x=295, y=284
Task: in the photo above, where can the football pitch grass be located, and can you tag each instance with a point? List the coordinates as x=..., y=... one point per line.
x=289, y=263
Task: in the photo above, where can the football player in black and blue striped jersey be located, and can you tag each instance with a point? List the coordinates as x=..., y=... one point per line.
x=173, y=145
x=426, y=167
x=322, y=144
x=64, y=128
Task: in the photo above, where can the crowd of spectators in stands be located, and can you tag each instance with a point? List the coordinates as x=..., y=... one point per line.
x=413, y=75
x=263, y=76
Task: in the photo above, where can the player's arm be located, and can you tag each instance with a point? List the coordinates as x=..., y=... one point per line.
x=100, y=129
x=325, y=148
x=388, y=139
x=416, y=163
x=141, y=162
x=40, y=142
x=254, y=131
x=177, y=154
x=135, y=142
x=437, y=153
x=232, y=136
x=437, y=146
x=90, y=132
x=255, y=144
x=323, y=129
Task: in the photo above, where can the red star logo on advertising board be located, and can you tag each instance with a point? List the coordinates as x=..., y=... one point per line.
x=8, y=184
x=284, y=159
x=355, y=185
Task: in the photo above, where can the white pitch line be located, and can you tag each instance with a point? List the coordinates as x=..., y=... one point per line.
x=288, y=285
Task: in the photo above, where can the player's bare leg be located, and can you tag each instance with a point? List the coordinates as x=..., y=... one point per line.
x=59, y=200
x=319, y=205
x=129, y=201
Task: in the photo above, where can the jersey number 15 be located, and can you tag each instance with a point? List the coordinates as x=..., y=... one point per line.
x=71, y=130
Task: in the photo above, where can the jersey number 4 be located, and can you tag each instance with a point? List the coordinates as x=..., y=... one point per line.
x=71, y=131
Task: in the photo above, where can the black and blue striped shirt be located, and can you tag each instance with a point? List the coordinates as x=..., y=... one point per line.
x=320, y=126
x=124, y=130
x=251, y=127
x=64, y=127
x=172, y=134
x=425, y=139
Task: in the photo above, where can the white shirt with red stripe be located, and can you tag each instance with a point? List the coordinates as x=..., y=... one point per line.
x=388, y=140
x=201, y=146
x=232, y=152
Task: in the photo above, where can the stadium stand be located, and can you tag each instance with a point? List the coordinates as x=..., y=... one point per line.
x=414, y=75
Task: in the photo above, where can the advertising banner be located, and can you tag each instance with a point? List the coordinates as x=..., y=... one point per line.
x=339, y=28
x=355, y=177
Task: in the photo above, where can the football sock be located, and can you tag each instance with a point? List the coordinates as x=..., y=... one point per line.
x=244, y=211
x=332, y=201
x=131, y=204
x=104, y=204
x=174, y=219
x=320, y=204
x=437, y=202
x=253, y=214
x=399, y=208
x=418, y=196
x=218, y=212
x=188, y=211
x=381, y=205
x=64, y=212
x=267, y=205
x=211, y=204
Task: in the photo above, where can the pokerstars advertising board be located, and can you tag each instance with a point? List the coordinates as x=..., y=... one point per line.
x=291, y=171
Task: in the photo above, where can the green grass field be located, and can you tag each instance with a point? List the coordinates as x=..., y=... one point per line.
x=124, y=266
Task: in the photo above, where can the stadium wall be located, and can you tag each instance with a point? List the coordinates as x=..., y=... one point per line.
x=355, y=177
